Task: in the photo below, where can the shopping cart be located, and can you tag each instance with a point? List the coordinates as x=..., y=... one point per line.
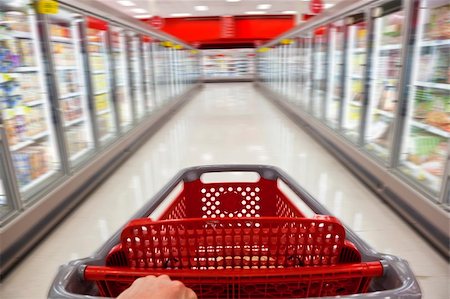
x=238, y=240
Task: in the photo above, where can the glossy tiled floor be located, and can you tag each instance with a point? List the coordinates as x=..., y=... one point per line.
x=226, y=123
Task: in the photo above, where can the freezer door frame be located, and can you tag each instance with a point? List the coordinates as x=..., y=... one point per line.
x=8, y=179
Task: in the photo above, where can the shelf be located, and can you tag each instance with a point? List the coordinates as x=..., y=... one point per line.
x=444, y=86
x=66, y=68
x=40, y=135
x=359, y=77
x=33, y=103
x=106, y=111
x=101, y=92
x=390, y=47
x=37, y=181
x=79, y=154
x=434, y=43
x=420, y=173
x=73, y=122
x=98, y=72
x=106, y=137
x=60, y=39
x=20, y=34
x=21, y=145
x=359, y=50
x=353, y=103
x=70, y=95
x=430, y=128
x=384, y=113
x=376, y=148
x=25, y=69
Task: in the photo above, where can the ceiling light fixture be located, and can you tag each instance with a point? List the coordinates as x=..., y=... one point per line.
x=289, y=12
x=328, y=5
x=180, y=14
x=138, y=10
x=264, y=6
x=142, y=16
x=201, y=8
x=256, y=12
x=126, y=3
x=233, y=0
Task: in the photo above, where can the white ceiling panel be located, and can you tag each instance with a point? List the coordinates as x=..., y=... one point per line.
x=166, y=8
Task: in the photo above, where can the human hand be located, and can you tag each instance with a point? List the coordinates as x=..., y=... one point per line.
x=152, y=287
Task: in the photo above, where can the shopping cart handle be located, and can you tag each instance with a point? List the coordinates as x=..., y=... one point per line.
x=265, y=171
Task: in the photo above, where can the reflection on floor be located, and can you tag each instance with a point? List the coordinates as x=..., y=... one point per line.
x=226, y=123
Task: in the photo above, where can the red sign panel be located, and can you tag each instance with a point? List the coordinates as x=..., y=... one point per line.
x=228, y=27
x=157, y=22
x=316, y=6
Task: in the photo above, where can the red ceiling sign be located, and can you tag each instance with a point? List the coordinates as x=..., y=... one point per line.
x=228, y=29
x=316, y=6
x=157, y=22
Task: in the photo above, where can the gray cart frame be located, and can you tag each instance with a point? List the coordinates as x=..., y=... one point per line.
x=398, y=280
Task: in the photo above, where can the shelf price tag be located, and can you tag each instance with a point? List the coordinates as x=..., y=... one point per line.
x=47, y=7
x=178, y=47
x=263, y=50
x=286, y=41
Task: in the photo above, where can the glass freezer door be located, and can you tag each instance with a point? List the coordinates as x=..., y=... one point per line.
x=136, y=74
x=65, y=34
x=335, y=73
x=24, y=101
x=384, y=79
x=354, y=77
x=147, y=56
x=425, y=146
x=121, y=79
x=306, y=74
x=97, y=47
x=319, y=72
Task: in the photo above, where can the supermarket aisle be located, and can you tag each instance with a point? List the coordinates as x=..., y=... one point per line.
x=226, y=123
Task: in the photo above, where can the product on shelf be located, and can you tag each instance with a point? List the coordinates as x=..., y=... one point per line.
x=71, y=108
x=76, y=139
x=67, y=82
x=429, y=152
x=30, y=163
x=438, y=26
x=432, y=106
x=16, y=20
x=101, y=102
x=100, y=82
x=59, y=31
x=63, y=54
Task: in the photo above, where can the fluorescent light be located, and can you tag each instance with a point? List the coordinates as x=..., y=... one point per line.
x=17, y=3
x=328, y=5
x=256, y=12
x=180, y=14
x=126, y=3
x=201, y=8
x=233, y=0
x=264, y=6
x=138, y=10
x=142, y=16
x=290, y=12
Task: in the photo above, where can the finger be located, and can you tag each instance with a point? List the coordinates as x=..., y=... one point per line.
x=164, y=277
x=190, y=294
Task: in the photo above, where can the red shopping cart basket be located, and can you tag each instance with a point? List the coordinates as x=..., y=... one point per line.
x=237, y=240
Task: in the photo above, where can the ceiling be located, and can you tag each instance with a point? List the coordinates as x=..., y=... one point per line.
x=185, y=8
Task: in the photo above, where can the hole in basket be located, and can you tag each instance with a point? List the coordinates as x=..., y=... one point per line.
x=230, y=189
x=203, y=190
x=257, y=189
x=203, y=199
x=238, y=189
x=243, y=202
x=221, y=189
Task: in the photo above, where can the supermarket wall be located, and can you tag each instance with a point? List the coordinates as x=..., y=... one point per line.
x=79, y=91
x=371, y=80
